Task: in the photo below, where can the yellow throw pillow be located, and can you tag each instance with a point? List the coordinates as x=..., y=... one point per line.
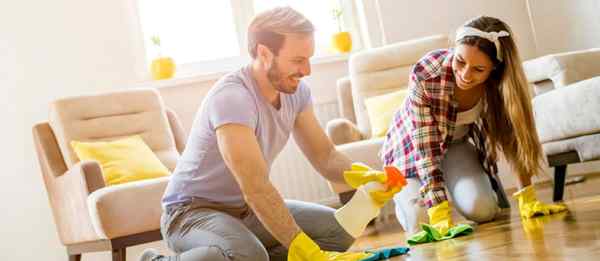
x=123, y=160
x=381, y=110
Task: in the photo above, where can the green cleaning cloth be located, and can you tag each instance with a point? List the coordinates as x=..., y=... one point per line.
x=430, y=234
x=383, y=254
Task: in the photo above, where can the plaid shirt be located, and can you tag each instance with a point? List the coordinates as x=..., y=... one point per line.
x=423, y=127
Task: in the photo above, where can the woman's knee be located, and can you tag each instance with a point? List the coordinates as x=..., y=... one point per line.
x=479, y=208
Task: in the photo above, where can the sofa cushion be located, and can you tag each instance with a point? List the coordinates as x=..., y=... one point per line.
x=381, y=110
x=568, y=112
x=127, y=209
x=587, y=147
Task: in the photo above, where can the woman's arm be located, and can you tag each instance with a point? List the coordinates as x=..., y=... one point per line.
x=427, y=140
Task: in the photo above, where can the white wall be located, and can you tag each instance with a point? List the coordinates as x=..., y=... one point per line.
x=407, y=19
x=565, y=25
x=52, y=49
x=49, y=49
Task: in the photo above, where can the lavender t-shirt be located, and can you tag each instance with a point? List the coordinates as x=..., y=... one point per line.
x=201, y=172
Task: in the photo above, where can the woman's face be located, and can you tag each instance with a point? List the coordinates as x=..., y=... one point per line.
x=471, y=66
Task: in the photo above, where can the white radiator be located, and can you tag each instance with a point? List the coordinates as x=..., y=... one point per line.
x=295, y=178
x=293, y=175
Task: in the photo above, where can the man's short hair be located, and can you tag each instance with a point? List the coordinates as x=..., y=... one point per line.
x=270, y=27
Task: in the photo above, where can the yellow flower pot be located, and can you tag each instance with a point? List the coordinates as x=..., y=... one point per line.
x=342, y=42
x=162, y=68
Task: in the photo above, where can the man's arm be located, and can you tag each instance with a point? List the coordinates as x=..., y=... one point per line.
x=242, y=155
x=318, y=148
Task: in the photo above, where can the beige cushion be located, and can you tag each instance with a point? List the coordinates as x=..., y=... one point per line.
x=568, y=112
x=381, y=110
x=386, y=69
x=132, y=112
x=127, y=209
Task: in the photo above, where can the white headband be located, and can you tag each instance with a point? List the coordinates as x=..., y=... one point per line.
x=465, y=31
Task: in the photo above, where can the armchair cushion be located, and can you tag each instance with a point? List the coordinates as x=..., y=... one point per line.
x=124, y=160
x=381, y=111
x=127, y=209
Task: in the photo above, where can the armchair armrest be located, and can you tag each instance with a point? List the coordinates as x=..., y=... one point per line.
x=179, y=133
x=342, y=131
x=67, y=189
x=564, y=68
x=68, y=195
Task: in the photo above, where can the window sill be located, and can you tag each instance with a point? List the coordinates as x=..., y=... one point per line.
x=185, y=78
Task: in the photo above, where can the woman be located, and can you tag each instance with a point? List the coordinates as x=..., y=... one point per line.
x=465, y=105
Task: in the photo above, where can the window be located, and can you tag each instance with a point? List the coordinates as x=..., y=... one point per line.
x=210, y=36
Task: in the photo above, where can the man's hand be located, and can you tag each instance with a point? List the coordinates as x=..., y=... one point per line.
x=305, y=249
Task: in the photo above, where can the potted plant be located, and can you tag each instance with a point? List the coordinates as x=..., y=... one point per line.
x=341, y=41
x=162, y=67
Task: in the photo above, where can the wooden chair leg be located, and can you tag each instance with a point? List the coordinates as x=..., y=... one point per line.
x=75, y=257
x=559, y=182
x=118, y=254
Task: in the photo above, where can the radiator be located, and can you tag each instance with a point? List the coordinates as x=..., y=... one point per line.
x=295, y=178
x=292, y=174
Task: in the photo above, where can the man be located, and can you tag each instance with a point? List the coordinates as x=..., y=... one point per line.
x=220, y=204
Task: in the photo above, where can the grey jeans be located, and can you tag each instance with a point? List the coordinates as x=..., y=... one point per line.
x=199, y=233
x=467, y=183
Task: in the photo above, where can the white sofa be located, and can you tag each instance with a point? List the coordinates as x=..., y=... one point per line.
x=567, y=108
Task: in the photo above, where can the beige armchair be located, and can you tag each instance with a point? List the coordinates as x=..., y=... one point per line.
x=566, y=107
x=372, y=72
x=90, y=216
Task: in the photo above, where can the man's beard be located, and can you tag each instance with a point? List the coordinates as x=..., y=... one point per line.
x=274, y=76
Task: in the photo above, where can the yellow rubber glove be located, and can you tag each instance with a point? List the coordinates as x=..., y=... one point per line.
x=440, y=226
x=361, y=174
x=382, y=197
x=303, y=248
x=529, y=206
x=440, y=217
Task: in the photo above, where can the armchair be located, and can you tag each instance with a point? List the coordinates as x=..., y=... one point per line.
x=89, y=216
x=372, y=72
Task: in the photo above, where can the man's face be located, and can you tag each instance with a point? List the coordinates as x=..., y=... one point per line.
x=292, y=63
x=471, y=66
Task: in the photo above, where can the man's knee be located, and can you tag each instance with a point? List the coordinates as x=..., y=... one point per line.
x=340, y=240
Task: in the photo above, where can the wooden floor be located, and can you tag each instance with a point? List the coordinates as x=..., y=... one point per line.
x=566, y=236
